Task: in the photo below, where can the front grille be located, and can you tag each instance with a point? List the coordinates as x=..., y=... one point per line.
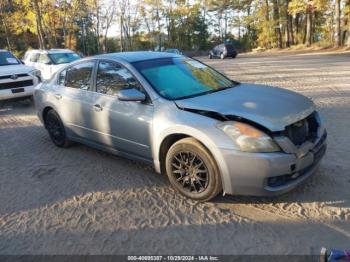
x=14, y=75
x=319, y=151
x=10, y=85
x=320, y=147
x=302, y=131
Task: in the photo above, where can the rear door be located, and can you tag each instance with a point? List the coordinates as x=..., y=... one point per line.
x=121, y=125
x=75, y=99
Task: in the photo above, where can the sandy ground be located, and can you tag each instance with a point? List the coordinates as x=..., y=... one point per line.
x=83, y=201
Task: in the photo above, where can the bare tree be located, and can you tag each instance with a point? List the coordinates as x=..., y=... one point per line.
x=3, y=17
x=108, y=12
x=289, y=26
x=97, y=7
x=39, y=24
x=337, y=35
x=309, y=16
x=64, y=24
x=348, y=22
x=276, y=18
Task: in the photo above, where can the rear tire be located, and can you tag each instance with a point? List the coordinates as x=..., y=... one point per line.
x=192, y=170
x=210, y=56
x=56, y=130
x=222, y=56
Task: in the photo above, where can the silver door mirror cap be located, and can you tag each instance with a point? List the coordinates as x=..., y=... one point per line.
x=131, y=94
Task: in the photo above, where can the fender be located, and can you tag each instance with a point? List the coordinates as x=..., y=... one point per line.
x=203, y=139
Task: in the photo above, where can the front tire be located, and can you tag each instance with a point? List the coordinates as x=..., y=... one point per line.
x=56, y=130
x=222, y=56
x=192, y=170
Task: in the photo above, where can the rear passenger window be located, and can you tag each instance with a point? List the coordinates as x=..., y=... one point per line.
x=34, y=58
x=112, y=77
x=78, y=76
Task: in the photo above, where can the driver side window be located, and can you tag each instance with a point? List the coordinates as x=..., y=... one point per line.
x=112, y=77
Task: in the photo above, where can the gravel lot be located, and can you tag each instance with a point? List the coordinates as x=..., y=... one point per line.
x=83, y=201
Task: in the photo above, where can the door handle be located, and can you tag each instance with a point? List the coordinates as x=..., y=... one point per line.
x=58, y=96
x=98, y=108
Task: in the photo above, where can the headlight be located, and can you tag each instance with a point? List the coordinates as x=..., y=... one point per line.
x=248, y=138
x=36, y=73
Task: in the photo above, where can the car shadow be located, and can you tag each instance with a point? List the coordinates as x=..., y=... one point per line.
x=16, y=106
x=313, y=190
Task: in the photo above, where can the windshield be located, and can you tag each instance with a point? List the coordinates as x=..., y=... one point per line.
x=178, y=78
x=63, y=58
x=6, y=58
x=172, y=51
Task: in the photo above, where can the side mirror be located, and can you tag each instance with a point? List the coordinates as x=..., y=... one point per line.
x=131, y=94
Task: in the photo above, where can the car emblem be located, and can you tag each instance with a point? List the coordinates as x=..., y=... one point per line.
x=14, y=77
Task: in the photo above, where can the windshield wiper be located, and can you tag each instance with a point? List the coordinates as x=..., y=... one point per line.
x=205, y=93
x=214, y=90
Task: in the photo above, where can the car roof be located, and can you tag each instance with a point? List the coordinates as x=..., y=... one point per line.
x=137, y=56
x=50, y=51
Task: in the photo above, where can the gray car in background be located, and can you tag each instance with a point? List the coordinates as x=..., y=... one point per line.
x=207, y=133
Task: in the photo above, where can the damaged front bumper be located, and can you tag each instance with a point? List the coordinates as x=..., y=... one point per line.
x=264, y=174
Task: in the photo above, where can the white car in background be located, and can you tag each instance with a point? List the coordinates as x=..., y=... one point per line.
x=16, y=79
x=49, y=61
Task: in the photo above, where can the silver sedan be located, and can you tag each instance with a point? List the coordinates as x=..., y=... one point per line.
x=207, y=133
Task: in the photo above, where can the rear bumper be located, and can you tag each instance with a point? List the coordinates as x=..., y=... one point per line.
x=231, y=54
x=268, y=174
x=8, y=94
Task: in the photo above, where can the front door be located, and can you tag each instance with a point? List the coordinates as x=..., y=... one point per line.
x=121, y=125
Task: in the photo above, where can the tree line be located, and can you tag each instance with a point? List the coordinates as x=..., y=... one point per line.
x=98, y=26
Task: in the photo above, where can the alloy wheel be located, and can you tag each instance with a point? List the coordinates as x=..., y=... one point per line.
x=190, y=172
x=55, y=128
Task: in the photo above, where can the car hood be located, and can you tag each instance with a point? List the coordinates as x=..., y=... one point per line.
x=271, y=107
x=15, y=69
